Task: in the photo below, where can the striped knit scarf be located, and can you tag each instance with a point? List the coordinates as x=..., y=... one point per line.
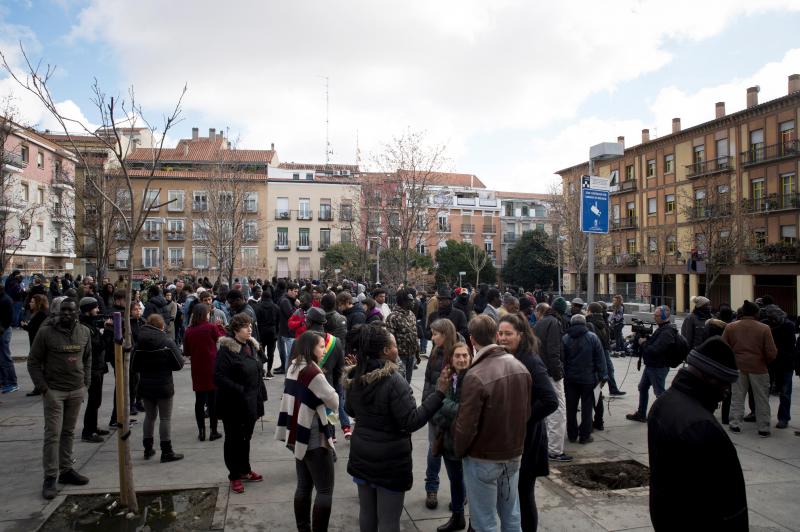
x=305, y=392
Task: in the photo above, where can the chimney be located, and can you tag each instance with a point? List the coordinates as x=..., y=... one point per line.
x=621, y=140
x=676, y=125
x=212, y=133
x=752, y=96
x=195, y=133
x=794, y=83
x=645, y=135
x=272, y=146
x=185, y=149
x=720, y=109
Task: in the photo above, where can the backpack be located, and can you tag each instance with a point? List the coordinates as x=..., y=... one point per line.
x=680, y=350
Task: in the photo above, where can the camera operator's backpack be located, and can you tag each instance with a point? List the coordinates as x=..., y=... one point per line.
x=680, y=350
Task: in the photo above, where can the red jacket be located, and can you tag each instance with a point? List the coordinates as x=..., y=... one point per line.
x=297, y=322
x=200, y=344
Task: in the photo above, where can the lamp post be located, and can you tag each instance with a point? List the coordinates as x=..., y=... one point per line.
x=598, y=152
x=561, y=238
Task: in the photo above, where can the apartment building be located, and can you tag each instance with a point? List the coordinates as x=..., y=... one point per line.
x=311, y=207
x=742, y=165
x=521, y=212
x=37, y=196
x=200, y=183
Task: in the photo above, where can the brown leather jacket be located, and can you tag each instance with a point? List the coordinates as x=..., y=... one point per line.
x=494, y=408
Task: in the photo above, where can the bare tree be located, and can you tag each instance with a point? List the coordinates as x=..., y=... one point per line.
x=566, y=214
x=412, y=169
x=478, y=259
x=133, y=209
x=17, y=214
x=661, y=251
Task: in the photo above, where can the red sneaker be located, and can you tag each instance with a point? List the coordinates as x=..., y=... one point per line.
x=252, y=476
x=347, y=432
x=237, y=486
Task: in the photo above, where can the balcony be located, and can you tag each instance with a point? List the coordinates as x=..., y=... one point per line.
x=283, y=245
x=700, y=212
x=176, y=235
x=623, y=224
x=61, y=181
x=489, y=229
x=707, y=168
x=509, y=238
x=121, y=265
x=779, y=253
x=250, y=236
x=325, y=215
x=151, y=235
x=61, y=215
x=467, y=228
x=323, y=246
x=305, y=215
x=59, y=249
x=250, y=207
x=281, y=214
x=629, y=260
x=772, y=203
x=465, y=202
x=760, y=154
x=199, y=206
x=346, y=215
x=14, y=161
x=443, y=228
x=489, y=203
x=304, y=245
x=625, y=186
x=175, y=264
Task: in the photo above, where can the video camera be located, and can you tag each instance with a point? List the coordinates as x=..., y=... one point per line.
x=641, y=329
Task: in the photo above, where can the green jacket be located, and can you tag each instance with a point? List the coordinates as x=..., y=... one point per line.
x=61, y=358
x=445, y=417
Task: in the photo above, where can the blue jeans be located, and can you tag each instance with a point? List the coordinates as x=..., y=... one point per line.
x=434, y=465
x=455, y=472
x=344, y=419
x=784, y=383
x=286, y=352
x=17, y=316
x=492, y=489
x=612, y=382
x=655, y=377
x=8, y=375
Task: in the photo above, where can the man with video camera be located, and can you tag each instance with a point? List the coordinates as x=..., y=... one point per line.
x=653, y=350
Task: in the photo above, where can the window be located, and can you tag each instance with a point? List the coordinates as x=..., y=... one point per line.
x=250, y=230
x=200, y=258
x=540, y=227
x=631, y=246
x=200, y=200
x=40, y=232
x=630, y=211
x=40, y=196
x=789, y=234
x=150, y=257
x=124, y=199
x=304, y=238
x=25, y=192
x=325, y=210
x=722, y=150
x=422, y=224
x=698, y=156
x=324, y=239
x=282, y=268
x=346, y=236
x=700, y=201
x=151, y=230
x=122, y=258
x=250, y=202
x=309, y=176
x=175, y=199
x=525, y=211
x=394, y=221
x=373, y=222
x=199, y=230
x=175, y=229
x=249, y=256
x=441, y=223
x=757, y=144
x=151, y=199
x=651, y=168
x=175, y=257
x=669, y=203
x=652, y=206
x=758, y=193
x=24, y=230
x=672, y=244
x=669, y=164
x=488, y=246
x=304, y=209
x=39, y=160
x=509, y=209
x=225, y=201
x=346, y=211
x=282, y=209
x=787, y=136
x=788, y=199
x=616, y=213
x=24, y=153
x=421, y=248
x=759, y=238
x=283, y=238
x=652, y=245
x=629, y=175
x=296, y=176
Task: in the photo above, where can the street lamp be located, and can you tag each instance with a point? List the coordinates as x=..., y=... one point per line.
x=599, y=152
x=561, y=238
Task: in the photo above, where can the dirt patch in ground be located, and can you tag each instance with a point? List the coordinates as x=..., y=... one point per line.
x=607, y=475
x=166, y=510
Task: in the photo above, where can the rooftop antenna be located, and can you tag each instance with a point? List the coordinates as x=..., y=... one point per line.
x=358, y=151
x=328, y=150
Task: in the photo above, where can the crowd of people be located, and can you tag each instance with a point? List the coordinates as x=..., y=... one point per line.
x=505, y=378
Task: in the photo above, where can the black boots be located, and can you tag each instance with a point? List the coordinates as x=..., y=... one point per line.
x=167, y=454
x=456, y=522
x=201, y=434
x=148, y=448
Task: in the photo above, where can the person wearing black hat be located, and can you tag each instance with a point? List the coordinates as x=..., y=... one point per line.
x=100, y=338
x=696, y=480
x=446, y=311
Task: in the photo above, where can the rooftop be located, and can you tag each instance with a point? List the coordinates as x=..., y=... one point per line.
x=202, y=150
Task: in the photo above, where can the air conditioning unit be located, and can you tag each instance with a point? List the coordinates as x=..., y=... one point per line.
x=284, y=216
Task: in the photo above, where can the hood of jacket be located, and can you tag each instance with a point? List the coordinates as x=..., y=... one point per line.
x=233, y=346
x=356, y=308
x=577, y=329
x=159, y=301
x=370, y=380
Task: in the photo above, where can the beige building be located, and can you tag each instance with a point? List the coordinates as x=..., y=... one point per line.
x=521, y=212
x=309, y=208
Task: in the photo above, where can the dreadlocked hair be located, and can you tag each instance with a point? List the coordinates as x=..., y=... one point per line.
x=368, y=343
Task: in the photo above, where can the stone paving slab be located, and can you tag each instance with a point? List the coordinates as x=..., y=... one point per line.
x=771, y=467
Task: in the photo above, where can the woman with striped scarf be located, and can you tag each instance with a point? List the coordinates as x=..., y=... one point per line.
x=303, y=424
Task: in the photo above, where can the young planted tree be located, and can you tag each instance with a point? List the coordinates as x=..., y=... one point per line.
x=565, y=207
x=457, y=257
x=17, y=214
x=116, y=115
x=661, y=251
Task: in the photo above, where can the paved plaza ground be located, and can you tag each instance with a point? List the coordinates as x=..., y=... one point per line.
x=771, y=468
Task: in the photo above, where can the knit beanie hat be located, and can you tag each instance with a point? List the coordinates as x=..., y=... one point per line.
x=87, y=304
x=701, y=301
x=560, y=305
x=316, y=315
x=750, y=309
x=715, y=358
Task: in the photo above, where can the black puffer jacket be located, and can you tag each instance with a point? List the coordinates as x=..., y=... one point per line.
x=155, y=358
x=694, y=327
x=684, y=437
x=99, y=340
x=654, y=350
x=549, y=331
x=158, y=305
x=584, y=359
x=355, y=315
x=238, y=375
x=544, y=402
x=383, y=403
x=600, y=328
x=784, y=337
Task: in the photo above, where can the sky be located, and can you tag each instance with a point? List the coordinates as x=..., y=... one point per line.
x=514, y=89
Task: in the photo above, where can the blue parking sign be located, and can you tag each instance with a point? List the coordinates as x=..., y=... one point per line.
x=594, y=210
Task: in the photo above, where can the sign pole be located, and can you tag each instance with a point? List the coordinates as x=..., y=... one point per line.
x=590, y=270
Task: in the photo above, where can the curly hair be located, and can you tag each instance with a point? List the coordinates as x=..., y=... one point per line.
x=368, y=342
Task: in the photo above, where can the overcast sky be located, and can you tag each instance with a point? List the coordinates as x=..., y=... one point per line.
x=516, y=89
